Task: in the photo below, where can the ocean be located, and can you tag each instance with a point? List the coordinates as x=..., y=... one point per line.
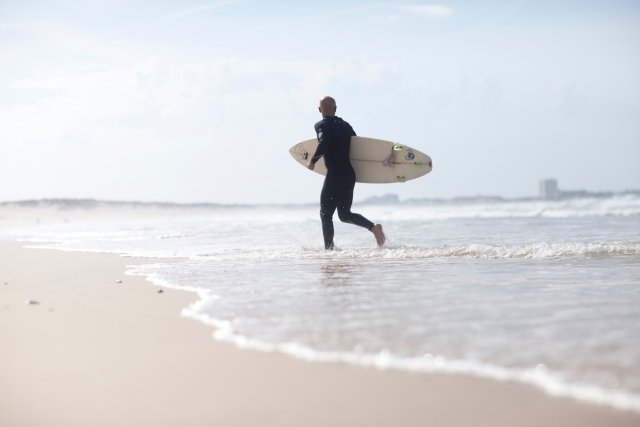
x=540, y=292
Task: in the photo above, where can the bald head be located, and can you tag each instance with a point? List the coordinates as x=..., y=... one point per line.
x=327, y=107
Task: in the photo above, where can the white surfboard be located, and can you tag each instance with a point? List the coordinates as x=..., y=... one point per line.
x=374, y=160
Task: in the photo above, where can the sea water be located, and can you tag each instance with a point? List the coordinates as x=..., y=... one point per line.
x=540, y=292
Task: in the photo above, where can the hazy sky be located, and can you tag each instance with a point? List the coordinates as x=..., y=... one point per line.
x=199, y=101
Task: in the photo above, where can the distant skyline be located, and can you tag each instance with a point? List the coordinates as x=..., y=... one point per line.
x=199, y=101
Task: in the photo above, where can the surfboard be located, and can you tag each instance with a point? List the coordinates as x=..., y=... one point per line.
x=373, y=160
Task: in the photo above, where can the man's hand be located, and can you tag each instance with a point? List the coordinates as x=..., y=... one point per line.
x=311, y=165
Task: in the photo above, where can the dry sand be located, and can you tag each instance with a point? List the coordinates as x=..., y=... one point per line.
x=93, y=352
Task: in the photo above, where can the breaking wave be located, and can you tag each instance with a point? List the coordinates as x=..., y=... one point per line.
x=472, y=251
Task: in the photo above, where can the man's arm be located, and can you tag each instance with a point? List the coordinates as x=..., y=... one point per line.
x=351, y=131
x=322, y=144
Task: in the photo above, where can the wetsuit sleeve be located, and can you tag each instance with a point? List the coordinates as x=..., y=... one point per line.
x=322, y=144
x=353, y=132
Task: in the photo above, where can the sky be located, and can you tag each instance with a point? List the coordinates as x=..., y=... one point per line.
x=199, y=101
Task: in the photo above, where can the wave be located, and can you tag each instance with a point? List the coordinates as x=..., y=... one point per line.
x=530, y=251
x=551, y=209
x=539, y=376
x=472, y=251
x=481, y=208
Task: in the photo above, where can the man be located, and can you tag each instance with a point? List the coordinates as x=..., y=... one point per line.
x=334, y=137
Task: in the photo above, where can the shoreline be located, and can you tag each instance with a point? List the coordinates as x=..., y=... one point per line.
x=88, y=350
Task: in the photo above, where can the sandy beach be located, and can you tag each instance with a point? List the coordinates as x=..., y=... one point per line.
x=81, y=349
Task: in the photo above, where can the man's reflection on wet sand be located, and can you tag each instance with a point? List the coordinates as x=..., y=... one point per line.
x=338, y=273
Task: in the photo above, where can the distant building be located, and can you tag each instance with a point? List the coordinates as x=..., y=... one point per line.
x=549, y=189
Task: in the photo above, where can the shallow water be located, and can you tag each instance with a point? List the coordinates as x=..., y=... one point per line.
x=541, y=292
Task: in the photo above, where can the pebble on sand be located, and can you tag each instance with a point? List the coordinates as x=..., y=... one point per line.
x=118, y=281
x=31, y=302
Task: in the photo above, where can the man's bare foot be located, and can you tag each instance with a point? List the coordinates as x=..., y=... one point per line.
x=377, y=231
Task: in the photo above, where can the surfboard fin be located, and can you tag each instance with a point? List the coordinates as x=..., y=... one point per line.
x=390, y=160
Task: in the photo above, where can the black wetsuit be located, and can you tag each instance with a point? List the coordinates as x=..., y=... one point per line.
x=334, y=137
